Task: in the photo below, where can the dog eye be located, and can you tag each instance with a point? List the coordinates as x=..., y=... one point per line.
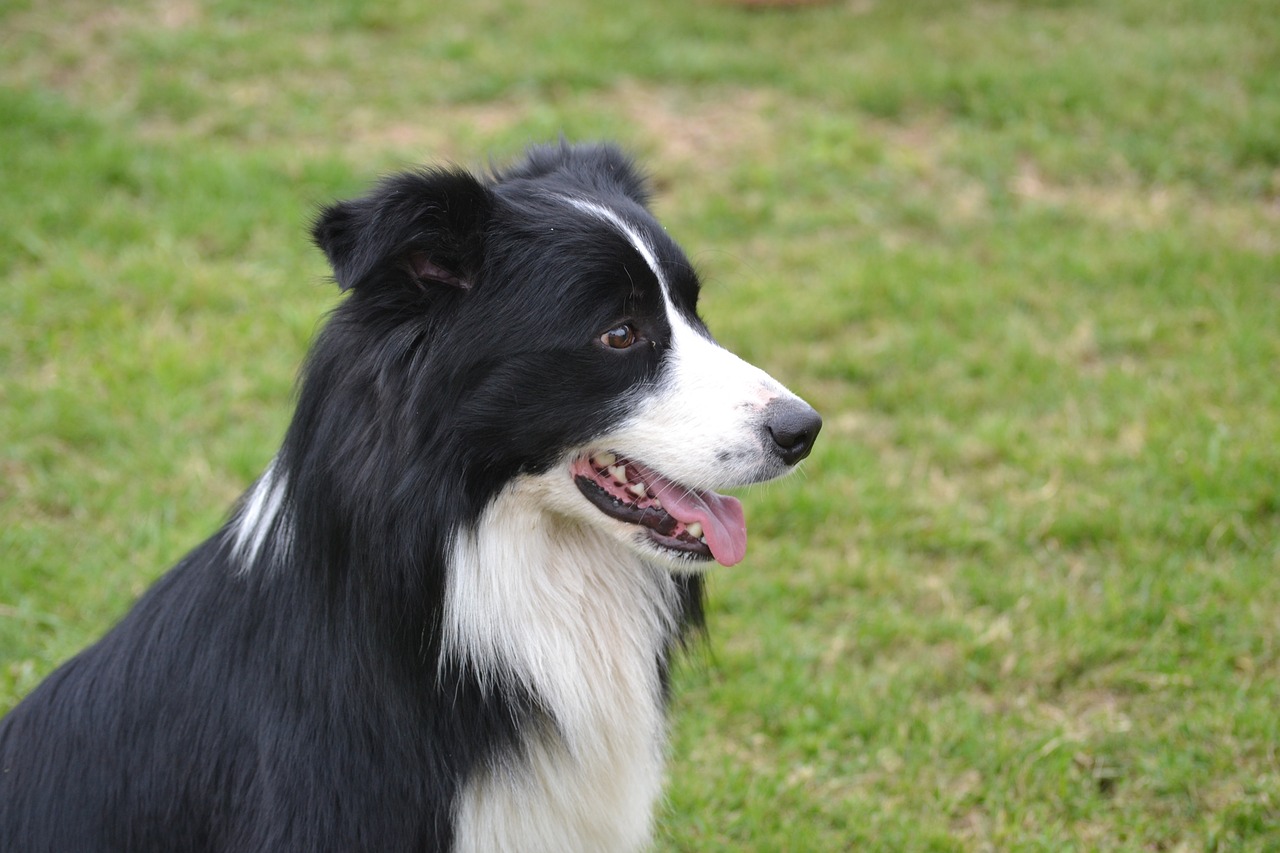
x=620, y=337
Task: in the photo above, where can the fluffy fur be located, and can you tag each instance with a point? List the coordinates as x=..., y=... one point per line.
x=442, y=619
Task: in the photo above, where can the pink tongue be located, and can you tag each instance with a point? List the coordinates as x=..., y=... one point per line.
x=723, y=523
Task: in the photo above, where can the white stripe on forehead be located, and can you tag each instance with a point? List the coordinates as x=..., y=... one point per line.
x=633, y=236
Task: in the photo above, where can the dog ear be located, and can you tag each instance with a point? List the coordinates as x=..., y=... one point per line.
x=420, y=227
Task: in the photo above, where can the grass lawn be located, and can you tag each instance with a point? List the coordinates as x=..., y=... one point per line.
x=1024, y=257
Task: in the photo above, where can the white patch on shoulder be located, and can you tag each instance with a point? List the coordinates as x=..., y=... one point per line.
x=258, y=515
x=580, y=621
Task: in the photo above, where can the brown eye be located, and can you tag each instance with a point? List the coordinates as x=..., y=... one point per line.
x=619, y=338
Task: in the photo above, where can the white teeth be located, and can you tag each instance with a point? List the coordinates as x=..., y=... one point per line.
x=618, y=473
x=694, y=529
x=604, y=459
x=637, y=489
x=657, y=504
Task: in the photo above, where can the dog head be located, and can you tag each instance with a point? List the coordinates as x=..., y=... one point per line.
x=540, y=323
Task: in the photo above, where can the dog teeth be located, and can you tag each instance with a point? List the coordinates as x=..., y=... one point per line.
x=694, y=530
x=608, y=463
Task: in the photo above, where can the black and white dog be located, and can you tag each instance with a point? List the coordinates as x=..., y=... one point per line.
x=443, y=617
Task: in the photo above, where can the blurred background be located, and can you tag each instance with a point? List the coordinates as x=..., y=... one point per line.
x=1024, y=256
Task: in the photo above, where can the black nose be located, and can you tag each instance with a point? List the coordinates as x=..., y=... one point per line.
x=792, y=426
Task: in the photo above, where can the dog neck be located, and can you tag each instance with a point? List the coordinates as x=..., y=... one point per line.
x=584, y=626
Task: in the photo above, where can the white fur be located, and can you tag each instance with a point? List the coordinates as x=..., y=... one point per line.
x=629, y=231
x=537, y=595
x=703, y=424
x=258, y=515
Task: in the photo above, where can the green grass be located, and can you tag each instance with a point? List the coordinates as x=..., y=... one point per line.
x=1025, y=258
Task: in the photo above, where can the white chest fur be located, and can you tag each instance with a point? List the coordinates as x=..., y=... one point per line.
x=581, y=623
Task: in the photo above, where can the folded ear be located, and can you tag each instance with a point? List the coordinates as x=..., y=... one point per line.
x=419, y=227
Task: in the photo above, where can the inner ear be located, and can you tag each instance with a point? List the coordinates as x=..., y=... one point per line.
x=427, y=270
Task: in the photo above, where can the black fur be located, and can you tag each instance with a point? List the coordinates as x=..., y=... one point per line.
x=299, y=703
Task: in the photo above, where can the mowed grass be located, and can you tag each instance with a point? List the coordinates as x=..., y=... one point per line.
x=1025, y=258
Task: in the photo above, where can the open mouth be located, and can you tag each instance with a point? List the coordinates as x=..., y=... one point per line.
x=694, y=524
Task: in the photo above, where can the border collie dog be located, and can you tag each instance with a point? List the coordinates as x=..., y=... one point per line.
x=443, y=617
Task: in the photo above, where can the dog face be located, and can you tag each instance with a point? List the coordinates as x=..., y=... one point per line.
x=557, y=322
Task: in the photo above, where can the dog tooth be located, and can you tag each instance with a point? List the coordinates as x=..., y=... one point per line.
x=694, y=530
x=618, y=473
x=657, y=504
x=637, y=489
x=604, y=459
